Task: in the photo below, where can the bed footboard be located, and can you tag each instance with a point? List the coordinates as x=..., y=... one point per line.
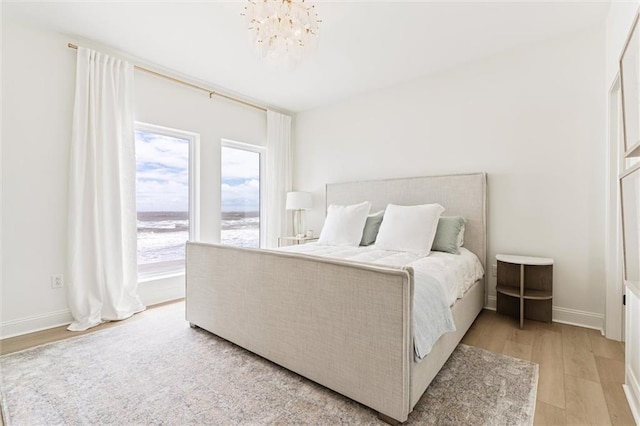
x=343, y=325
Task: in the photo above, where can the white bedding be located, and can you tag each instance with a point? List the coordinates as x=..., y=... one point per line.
x=455, y=272
x=440, y=279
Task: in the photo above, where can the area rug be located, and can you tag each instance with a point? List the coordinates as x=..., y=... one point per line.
x=158, y=370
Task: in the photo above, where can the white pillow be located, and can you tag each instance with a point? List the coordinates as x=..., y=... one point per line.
x=344, y=225
x=409, y=228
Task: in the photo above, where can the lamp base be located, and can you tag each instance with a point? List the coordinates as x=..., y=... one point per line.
x=298, y=223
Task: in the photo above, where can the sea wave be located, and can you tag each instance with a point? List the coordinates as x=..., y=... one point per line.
x=162, y=235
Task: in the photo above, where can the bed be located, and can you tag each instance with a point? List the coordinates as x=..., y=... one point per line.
x=344, y=325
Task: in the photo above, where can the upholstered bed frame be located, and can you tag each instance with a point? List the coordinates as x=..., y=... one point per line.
x=344, y=325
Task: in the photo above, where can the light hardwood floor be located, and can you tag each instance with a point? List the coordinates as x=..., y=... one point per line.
x=580, y=372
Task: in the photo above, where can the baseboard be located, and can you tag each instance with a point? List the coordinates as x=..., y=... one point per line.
x=632, y=392
x=150, y=292
x=491, y=303
x=579, y=318
x=20, y=326
x=565, y=315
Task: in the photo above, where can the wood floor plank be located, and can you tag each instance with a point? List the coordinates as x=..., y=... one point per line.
x=577, y=355
x=585, y=402
x=472, y=337
x=547, y=353
x=474, y=334
x=610, y=370
x=605, y=348
x=517, y=350
x=484, y=327
x=525, y=335
x=497, y=333
x=549, y=326
x=548, y=415
x=619, y=412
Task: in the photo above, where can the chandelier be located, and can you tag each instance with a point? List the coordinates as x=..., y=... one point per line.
x=282, y=30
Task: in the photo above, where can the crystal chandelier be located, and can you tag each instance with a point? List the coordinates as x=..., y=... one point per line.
x=282, y=30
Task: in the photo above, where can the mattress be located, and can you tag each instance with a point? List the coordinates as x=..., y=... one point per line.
x=439, y=280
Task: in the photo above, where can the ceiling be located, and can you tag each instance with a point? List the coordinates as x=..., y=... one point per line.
x=363, y=45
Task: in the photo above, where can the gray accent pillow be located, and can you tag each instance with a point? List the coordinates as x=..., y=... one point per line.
x=448, y=236
x=371, y=228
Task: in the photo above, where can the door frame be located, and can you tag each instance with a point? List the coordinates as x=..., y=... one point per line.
x=614, y=310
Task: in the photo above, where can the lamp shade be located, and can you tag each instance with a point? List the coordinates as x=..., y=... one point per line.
x=299, y=200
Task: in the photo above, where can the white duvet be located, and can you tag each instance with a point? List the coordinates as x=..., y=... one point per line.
x=439, y=280
x=454, y=272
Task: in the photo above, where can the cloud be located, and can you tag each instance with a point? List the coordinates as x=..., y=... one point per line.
x=162, y=172
x=162, y=175
x=238, y=163
x=240, y=175
x=241, y=196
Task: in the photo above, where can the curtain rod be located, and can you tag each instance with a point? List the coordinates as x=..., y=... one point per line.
x=211, y=93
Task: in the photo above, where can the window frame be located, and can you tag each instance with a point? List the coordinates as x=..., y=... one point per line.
x=262, y=151
x=194, y=187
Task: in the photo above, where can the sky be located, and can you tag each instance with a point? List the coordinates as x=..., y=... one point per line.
x=162, y=181
x=240, y=180
x=162, y=173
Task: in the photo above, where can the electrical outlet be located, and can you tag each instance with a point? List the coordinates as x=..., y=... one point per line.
x=494, y=270
x=56, y=281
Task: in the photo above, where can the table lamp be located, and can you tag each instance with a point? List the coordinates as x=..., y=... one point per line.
x=298, y=202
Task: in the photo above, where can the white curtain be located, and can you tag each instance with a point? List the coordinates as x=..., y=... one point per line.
x=102, y=268
x=279, y=161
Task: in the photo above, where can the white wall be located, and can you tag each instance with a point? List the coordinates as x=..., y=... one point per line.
x=38, y=89
x=533, y=119
x=38, y=74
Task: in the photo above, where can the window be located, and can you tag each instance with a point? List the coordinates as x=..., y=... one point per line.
x=165, y=199
x=242, y=168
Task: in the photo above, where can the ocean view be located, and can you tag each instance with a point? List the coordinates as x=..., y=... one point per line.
x=162, y=235
x=240, y=229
